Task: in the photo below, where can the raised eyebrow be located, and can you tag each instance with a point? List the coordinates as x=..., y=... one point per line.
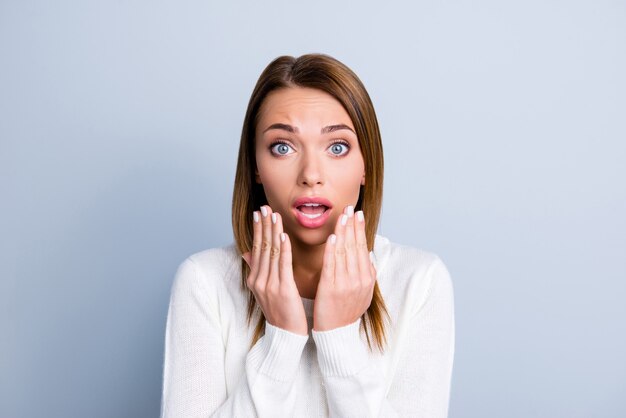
x=334, y=128
x=283, y=127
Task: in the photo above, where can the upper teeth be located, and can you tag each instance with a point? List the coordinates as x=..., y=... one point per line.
x=311, y=204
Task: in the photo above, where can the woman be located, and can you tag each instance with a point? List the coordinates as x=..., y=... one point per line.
x=307, y=261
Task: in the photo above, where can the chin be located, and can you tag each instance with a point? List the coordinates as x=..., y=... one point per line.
x=312, y=237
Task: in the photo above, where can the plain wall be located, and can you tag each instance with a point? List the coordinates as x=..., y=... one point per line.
x=505, y=143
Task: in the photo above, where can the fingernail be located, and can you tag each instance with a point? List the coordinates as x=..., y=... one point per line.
x=350, y=211
x=273, y=218
x=255, y=216
x=282, y=236
x=264, y=211
x=344, y=219
x=332, y=238
x=359, y=216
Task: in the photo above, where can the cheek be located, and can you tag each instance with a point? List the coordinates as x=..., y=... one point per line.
x=348, y=179
x=274, y=181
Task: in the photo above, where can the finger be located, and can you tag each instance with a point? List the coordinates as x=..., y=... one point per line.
x=266, y=246
x=340, y=249
x=361, y=247
x=285, y=260
x=277, y=229
x=252, y=257
x=352, y=261
x=256, y=239
x=246, y=257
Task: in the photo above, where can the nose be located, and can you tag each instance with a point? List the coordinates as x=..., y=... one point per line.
x=311, y=172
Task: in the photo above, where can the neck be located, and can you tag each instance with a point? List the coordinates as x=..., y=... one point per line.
x=307, y=267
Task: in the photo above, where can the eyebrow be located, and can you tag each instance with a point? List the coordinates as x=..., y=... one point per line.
x=334, y=128
x=294, y=130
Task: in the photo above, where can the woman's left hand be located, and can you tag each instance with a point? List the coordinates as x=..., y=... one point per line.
x=348, y=276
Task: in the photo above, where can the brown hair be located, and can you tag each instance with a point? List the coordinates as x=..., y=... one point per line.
x=331, y=76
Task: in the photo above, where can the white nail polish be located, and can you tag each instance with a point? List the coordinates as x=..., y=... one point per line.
x=264, y=211
x=344, y=219
x=333, y=238
x=273, y=218
x=282, y=236
x=255, y=216
x=359, y=216
x=350, y=211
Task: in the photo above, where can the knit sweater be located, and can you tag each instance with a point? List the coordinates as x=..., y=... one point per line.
x=210, y=369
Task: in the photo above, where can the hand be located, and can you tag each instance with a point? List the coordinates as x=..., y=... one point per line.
x=271, y=274
x=348, y=276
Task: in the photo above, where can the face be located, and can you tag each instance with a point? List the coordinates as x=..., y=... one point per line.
x=308, y=161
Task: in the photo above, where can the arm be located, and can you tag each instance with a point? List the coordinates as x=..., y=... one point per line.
x=194, y=382
x=421, y=385
x=354, y=386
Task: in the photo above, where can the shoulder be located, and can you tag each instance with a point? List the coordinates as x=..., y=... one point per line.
x=208, y=269
x=215, y=260
x=410, y=274
x=392, y=256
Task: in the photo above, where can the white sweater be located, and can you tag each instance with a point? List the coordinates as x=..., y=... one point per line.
x=210, y=369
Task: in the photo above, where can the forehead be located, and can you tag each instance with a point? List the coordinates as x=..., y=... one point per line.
x=301, y=104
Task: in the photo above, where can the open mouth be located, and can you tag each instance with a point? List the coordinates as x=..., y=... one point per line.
x=312, y=210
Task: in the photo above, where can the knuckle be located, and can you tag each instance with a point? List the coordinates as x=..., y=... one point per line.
x=265, y=245
x=341, y=251
x=259, y=287
x=274, y=252
x=361, y=246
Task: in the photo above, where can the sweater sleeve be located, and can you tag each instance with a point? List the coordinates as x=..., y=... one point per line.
x=356, y=387
x=194, y=381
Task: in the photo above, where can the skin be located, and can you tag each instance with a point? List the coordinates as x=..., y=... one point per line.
x=298, y=155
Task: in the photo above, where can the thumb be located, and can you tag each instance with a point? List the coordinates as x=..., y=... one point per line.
x=246, y=257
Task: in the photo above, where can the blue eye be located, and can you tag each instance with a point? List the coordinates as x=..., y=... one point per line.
x=280, y=148
x=339, y=149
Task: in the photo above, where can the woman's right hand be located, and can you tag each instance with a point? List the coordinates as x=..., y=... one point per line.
x=271, y=273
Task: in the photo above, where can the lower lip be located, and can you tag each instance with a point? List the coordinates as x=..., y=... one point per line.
x=312, y=222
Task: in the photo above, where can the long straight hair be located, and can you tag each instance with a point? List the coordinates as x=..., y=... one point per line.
x=327, y=74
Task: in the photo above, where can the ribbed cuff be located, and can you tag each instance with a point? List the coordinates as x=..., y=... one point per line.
x=340, y=351
x=277, y=354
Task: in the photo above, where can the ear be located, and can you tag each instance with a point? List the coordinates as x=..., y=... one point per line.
x=363, y=180
x=257, y=178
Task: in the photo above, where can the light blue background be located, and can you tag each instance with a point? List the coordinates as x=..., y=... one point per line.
x=504, y=125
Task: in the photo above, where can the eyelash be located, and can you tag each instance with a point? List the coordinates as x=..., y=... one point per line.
x=341, y=142
x=335, y=142
x=278, y=142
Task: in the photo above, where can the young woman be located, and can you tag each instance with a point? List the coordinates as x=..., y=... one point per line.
x=310, y=313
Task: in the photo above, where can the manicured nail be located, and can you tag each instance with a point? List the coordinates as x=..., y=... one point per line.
x=264, y=211
x=273, y=218
x=332, y=238
x=344, y=219
x=282, y=236
x=255, y=216
x=350, y=211
x=359, y=216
